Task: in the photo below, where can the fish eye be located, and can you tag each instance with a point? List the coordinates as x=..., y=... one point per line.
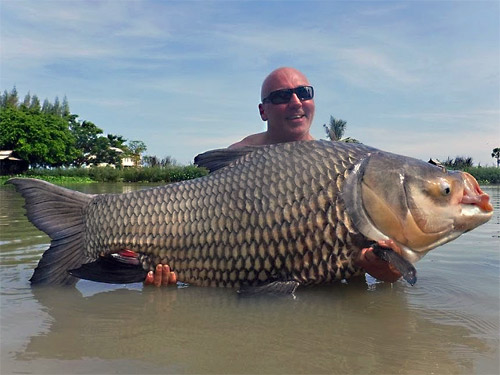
x=445, y=188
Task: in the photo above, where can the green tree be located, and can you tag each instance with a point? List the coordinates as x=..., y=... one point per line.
x=496, y=154
x=49, y=135
x=40, y=139
x=335, y=131
x=154, y=161
x=56, y=107
x=104, y=152
x=136, y=148
x=26, y=101
x=35, y=104
x=9, y=99
x=86, y=134
x=46, y=106
x=92, y=146
x=117, y=141
x=65, y=112
x=460, y=162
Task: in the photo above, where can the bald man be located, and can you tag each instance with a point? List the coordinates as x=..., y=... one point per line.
x=289, y=115
x=287, y=104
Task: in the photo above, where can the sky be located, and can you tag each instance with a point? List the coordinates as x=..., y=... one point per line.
x=417, y=78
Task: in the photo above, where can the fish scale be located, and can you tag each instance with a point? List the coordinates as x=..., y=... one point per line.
x=263, y=218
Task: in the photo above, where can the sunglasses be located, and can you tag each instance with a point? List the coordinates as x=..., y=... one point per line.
x=283, y=96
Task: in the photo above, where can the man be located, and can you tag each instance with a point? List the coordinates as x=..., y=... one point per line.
x=287, y=120
x=288, y=107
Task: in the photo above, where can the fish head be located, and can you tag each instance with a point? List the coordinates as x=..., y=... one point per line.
x=416, y=204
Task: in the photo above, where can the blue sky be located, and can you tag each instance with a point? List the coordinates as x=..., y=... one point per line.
x=419, y=78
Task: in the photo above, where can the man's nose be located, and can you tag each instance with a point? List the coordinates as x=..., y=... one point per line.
x=294, y=100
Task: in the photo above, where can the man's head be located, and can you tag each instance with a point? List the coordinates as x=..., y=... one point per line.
x=289, y=121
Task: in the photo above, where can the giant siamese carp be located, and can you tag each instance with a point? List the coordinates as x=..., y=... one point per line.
x=274, y=216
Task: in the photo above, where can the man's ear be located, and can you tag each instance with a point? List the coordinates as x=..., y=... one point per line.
x=262, y=112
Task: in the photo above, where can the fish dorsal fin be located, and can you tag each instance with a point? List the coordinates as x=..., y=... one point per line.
x=216, y=159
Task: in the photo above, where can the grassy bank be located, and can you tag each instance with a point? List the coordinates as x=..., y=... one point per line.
x=485, y=175
x=108, y=174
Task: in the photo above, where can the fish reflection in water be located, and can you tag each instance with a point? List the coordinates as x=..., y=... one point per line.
x=183, y=330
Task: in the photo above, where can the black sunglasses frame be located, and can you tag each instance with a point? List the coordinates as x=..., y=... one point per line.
x=283, y=96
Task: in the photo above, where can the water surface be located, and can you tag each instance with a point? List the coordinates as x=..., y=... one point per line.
x=448, y=323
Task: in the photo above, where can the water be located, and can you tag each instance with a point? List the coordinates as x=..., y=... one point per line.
x=448, y=323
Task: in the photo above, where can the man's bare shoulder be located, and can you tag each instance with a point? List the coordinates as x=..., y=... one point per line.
x=258, y=139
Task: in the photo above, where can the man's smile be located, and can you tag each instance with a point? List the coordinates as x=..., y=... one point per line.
x=296, y=117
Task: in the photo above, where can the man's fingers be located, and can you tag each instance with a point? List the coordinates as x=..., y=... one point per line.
x=162, y=276
x=165, y=275
x=149, y=278
x=158, y=275
x=173, y=278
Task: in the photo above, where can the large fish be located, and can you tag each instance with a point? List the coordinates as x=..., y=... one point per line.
x=280, y=215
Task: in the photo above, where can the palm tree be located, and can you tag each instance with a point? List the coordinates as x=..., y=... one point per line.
x=496, y=154
x=335, y=131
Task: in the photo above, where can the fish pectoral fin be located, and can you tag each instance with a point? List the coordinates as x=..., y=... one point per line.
x=110, y=270
x=401, y=264
x=274, y=288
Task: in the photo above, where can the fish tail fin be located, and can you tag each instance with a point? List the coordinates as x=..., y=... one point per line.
x=58, y=212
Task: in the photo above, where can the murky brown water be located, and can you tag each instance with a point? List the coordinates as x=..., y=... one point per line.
x=448, y=323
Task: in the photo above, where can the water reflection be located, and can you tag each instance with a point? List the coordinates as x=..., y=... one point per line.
x=338, y=329
x=448, y=323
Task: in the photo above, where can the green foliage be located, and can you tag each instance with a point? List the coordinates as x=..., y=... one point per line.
x=460, y=162
x=49, y=135
x=335, y=131
x=41, y=139
x=136, y=148
x=485, y=175
x=86, y=134
x=168, y=174
x=154, y=161
x=103, y=152
x=105, y=174
x=109, y=174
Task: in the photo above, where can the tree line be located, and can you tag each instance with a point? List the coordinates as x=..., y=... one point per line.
x=49, y=135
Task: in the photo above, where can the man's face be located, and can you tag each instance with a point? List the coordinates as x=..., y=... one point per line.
x=289, y=121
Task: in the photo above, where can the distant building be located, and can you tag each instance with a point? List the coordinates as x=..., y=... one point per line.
x=127, y=161
x=9, y=164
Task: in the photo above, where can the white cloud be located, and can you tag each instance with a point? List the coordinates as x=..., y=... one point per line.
x=186, y=75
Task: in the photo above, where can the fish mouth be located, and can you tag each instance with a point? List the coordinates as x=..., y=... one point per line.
x=473, y=195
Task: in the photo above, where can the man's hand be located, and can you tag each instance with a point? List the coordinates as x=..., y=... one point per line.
x=162, y=276
x=378, y=268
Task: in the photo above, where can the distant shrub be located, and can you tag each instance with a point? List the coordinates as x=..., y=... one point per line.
x=166, y=174
x=485, y=175
x=163, y=174
x=105, y=174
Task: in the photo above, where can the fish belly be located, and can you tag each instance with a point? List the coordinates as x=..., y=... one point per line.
x=267, y=217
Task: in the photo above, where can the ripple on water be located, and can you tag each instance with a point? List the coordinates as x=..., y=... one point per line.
x=13, y=255
x=456, y=302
